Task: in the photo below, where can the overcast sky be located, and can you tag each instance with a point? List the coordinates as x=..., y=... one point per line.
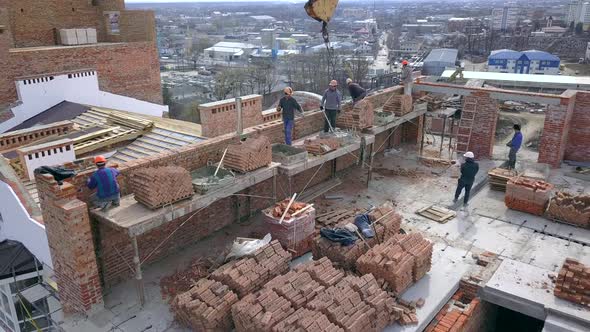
x=159, y=1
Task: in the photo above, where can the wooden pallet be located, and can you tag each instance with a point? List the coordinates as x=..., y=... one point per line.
x=437, y=213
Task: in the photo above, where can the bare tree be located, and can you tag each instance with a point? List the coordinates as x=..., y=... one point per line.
x=357, y=68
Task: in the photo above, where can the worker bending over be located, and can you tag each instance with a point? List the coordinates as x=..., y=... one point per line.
x=406, y=77
x=287, y=106
x=514, y=145
x=356, y=91
x=331, y=103
x=104, y=180
x=468, y=171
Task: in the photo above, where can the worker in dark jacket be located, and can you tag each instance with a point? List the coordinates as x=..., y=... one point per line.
x=514, y=145
x=406, y=76
x=104, y=180
x=468, y=171
x=287, y=106
x=331, y=101
x=356, y=91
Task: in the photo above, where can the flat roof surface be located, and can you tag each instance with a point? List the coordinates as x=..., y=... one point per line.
x=492, y=76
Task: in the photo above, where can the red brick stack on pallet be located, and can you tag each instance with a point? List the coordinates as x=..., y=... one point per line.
x=207, y=305
x=399, y=105
x=294, y=233
x=321, y=146
x=387, y=225
x=573, y=283
x=400, y=261
x=570, y=209
x=527, y=195
x=249, y=155
x=360, y=116
x=158, y=186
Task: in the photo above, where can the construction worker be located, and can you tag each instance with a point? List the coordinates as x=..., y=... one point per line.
x=287, y=106
x=406, y=77
x=104, y=180
x=331, y=102
x=514, y=145
x=356, y=91
x=468, y=171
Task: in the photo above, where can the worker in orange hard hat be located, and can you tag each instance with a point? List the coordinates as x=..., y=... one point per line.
x=104, y=180
x=331, y=101
x=287, y=106
x=407, y=77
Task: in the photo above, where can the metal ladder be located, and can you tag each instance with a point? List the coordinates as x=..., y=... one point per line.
x=466, y=124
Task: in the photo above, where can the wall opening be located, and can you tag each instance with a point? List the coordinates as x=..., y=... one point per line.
x=508, y=320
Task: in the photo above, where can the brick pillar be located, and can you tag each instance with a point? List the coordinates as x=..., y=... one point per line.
x=578, y=148
x=483, y=128
x=555, y=132
x=412, y=132
x=70, y=243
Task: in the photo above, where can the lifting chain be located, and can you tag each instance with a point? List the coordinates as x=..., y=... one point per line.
x=326, y=36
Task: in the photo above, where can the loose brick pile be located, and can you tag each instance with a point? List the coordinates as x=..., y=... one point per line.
x=346, y=256
x=317, y=294
x=207, y=305
x=400, y=261
x=360, y=116
x=399, y=105
x=249, y=155
x=158, y=186
x=320, y=146
x=572, y=283
x=570, y=208
x=527, y=195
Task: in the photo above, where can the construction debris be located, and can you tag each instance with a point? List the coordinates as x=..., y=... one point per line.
x=571, y=209
x=359, y=116
x=182, y=280
x=399, y=105
x=249, y=155
x=296, y=229
x=527, y=195
x=499, y=177
x=572, y=282
x=321, y=146
x=158, y=186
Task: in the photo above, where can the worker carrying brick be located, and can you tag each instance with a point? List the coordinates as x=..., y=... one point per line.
x=287, y=106
x=468, y=171
x=356, y=91
x=104, y=180
x=331, y=101
x=514, y=145
x=406, y=77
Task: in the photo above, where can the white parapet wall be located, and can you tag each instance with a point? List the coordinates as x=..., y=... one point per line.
x=16, y=224
x=47, y=154
x=39, y=94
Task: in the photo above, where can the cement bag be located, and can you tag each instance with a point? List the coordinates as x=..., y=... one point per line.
x=245, y=248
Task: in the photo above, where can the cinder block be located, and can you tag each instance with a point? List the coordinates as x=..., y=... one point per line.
x=81, y=36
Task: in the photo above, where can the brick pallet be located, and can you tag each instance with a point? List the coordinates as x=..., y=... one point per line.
x=400, y=261
x=158, y=186
x=399, y=105
x=304, y=320
x=499, y=177
x=570, y=209
x=294, y=232
x=321, y=146
x=360, y=116
x=249, y=155
x=572, y=282
x=207, y=305
x=527, y=195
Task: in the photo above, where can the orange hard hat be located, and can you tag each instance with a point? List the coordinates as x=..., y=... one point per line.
x=100, y=160
x=405, y=62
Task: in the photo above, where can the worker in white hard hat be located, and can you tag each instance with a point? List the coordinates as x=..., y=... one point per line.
x=331, y=101
x=356, y=91
x=468, y=171
x=287, y=107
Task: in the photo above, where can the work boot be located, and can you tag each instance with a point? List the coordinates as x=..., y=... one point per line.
x=106, y=206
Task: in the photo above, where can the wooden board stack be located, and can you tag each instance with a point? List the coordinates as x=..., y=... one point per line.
x=158, y=186
x=499, y=177
x=249, y=155
x=360, y=116
x=321, y=146
x=399, y=105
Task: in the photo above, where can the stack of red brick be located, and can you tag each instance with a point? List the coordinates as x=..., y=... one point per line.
x=207, y=305
x=249, y=155
x=454, y=316
x=573, y=282
x=527, y=195
x=294, y=233
x=317, y=294
x=401, y=260
x=320, y=146
x=387, y=225
x=570, y=208
x=399, y=105
x=360, y=116
x=158, y=186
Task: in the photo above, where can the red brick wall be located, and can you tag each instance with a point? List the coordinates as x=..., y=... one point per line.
x=219, y=118
x=578, y=141
x=555, y=134
x=7, y=87
x=412, y=131
x=484, y=125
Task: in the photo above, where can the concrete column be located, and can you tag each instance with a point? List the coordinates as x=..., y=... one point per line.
x=138, y=273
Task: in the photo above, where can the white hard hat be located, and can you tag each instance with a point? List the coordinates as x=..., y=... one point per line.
x=469, y=155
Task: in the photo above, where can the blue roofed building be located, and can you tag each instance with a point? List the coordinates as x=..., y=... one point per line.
x=527, y=62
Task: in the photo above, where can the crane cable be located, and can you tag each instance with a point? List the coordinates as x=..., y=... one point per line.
x=326, y=36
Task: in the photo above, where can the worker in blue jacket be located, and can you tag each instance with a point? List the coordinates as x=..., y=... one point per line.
x=514, y=145
x=104, y=180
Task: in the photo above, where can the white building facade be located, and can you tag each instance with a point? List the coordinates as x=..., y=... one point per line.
x=504, y=18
